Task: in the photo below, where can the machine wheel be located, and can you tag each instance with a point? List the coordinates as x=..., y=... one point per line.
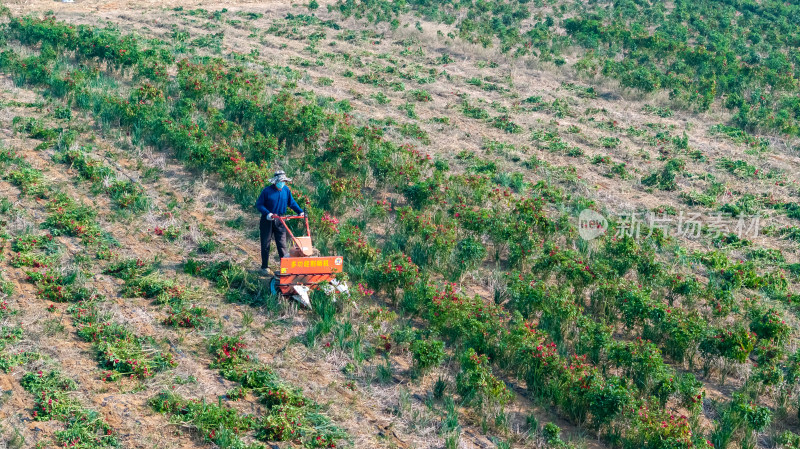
x=273, y=286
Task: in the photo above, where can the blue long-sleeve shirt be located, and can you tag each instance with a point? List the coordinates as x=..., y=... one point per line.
x=275, y=201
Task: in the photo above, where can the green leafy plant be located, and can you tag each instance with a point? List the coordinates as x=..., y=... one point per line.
x=53, y=401
x=427, y=353
x=476, y=383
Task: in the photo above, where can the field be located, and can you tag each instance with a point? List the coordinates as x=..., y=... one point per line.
x=458, y=155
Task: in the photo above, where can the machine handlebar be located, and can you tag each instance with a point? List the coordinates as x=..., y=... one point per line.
x=292, y=217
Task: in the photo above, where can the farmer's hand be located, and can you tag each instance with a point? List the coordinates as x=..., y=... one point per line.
x=270, y=216
x=302, y=214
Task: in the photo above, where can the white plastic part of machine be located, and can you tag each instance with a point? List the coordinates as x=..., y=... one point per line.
x=341, y=286
x=302, y=295
x=335, y=287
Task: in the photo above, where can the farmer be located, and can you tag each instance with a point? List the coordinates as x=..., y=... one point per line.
x=272, y=203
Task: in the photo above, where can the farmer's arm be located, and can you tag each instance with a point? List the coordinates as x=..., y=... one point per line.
x=293, y=204
x=261, y=203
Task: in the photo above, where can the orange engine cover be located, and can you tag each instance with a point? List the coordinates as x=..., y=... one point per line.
x=311, y=265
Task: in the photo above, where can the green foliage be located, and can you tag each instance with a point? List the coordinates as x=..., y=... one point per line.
x=738, y=167
x=117, y=348
x=580, y=91
x=609, y=142
x=381, y=98
x=355, y=245
x=739, y=136
x=9, y=361
x=238, y=284
x=691, y=393
x=788, y=440
x=769, y=324
x=505, y=123
x=53, y=401
x=392, y=272
x=694, y=198
x=68, y=217
x=188, y=317
x=477, y=385
x=30, y=181
x=662, y=112
x=467, y=256
x=414, y=130
x=409, y=109
x=734, y=344
x=216, y=423
x=290, y=416
x=426, y=353
x=551, y=433
x=641, y=361
x=475, y=112
x=655, y=427
x=420, y=95
x=126, y=194
x=742, y=416
x=665, y=179
x=228, y=351
x=35, y=128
